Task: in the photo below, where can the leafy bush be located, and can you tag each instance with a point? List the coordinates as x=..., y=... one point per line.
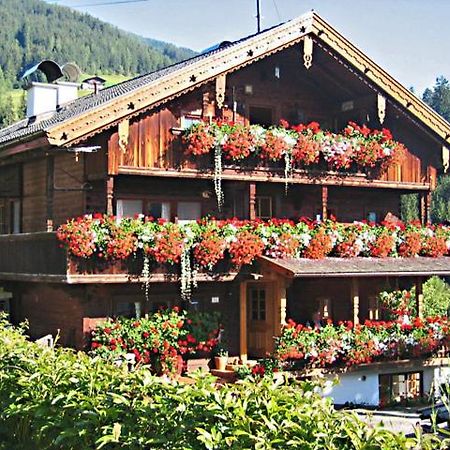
x=59, y=399
x=436, y=297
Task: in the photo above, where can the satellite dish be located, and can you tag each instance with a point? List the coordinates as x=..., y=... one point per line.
x=71, y=71
x=49, y=68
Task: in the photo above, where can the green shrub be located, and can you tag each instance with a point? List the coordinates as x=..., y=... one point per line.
x=59, y=399
x=436, y=297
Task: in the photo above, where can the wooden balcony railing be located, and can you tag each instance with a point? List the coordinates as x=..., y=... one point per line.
x=39, y=257
x=32, y=256
x=153, y=150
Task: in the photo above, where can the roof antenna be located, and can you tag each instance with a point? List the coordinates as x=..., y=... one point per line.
x=258, y=15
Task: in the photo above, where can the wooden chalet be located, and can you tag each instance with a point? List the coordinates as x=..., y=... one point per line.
x=118, y=151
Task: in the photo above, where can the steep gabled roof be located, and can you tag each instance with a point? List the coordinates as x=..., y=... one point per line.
x=91, y=114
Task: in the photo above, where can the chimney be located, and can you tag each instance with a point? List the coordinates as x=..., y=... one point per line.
x=46, y=98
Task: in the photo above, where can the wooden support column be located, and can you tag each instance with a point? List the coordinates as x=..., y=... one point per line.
x=428, y=208
x=324, y=202
x=419, y=296
x=422, y=208
x=354, y=293
x=243, y=322
x=252, y=201
x=109, y=195
x=280, y=303
x=50, y=190
x=425, y=207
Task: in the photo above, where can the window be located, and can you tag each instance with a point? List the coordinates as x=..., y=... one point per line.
x=15, y=216
x=263, y=207
x=159, y=210
x=261, y=116
x=324, y=307
x=373, y=309
x=258, y=304
x=187, y=120
x=400, y=387
x=188, y=211
x=3, y=227
x=129, y=208
x=126, y=309
x=10, y=216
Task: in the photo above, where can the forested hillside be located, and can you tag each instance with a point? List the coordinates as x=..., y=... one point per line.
x=32, y=30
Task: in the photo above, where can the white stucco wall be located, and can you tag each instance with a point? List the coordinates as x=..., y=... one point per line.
x=361, y=387
x=433, y=377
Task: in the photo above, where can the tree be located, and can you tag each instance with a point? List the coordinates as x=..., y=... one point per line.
x=439, y=97
x=409, y=207
x=440, y=204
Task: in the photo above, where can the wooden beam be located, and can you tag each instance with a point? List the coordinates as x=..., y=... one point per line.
x=40, y=143
x=252, y=201
x=354, y=293
x=272, y=176
x=324, y=202
x=419, y=296
x=243, y=322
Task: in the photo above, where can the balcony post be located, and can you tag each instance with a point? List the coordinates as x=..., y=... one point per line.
x=109, y=196
x=354, y=294
x=252, y=201
x=425, y=207
x=243, y=322
x=324, y=202
x=419, y=296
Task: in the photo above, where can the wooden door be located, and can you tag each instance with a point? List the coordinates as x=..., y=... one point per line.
x=259, y=319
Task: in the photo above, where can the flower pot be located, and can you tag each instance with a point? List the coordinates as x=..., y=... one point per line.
x=221, y=362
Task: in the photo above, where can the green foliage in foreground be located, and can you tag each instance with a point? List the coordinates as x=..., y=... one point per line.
x=66, y=400
x=436, y=295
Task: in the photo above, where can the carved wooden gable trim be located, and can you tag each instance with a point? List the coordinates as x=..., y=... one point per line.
x=239, y=55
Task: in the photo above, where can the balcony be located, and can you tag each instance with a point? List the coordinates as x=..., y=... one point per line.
x=184, y=155
x=39, y=257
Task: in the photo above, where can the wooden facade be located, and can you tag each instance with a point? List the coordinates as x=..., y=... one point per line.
x=140, y=166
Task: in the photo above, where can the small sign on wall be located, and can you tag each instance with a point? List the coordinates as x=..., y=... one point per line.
x=215, y=299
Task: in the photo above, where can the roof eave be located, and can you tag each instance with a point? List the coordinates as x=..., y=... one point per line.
x=19, y=145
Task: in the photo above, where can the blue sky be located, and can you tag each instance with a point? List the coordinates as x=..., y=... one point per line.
x=408, y=38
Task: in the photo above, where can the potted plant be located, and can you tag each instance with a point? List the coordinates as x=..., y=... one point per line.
x=220, y=357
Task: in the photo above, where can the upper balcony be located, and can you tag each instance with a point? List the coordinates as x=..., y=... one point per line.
x=283, y=154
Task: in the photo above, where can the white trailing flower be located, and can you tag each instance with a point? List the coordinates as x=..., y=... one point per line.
x=218, y=176
x=187, y=274
x=287, y=169
x=145, y=274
